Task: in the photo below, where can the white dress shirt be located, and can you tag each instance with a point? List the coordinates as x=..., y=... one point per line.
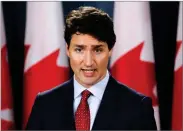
x=94, y=100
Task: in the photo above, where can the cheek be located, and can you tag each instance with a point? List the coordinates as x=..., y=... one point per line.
x=75, y=59
x=102, y=61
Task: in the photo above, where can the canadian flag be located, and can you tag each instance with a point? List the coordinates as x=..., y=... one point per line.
x=46, y=64
x=132, y=60
x=177, y=94
x=7, y=121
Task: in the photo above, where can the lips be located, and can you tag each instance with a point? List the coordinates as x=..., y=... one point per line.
x=88, y=69
x=88, y=72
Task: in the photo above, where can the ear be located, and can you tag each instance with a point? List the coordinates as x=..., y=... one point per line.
x=67, y=50
x=110, y=52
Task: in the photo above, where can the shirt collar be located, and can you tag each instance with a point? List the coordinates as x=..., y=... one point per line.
x=97, y=90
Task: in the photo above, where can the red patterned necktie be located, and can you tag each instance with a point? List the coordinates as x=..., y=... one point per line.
x=82, y=115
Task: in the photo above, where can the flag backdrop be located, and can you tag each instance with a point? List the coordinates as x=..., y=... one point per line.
x=164, y=26
x=132, y=61
x=46, y=63
x=6, y=92
x=177, y=94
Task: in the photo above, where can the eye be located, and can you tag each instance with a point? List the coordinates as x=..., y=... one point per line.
x=78, y=49
x=98, y=50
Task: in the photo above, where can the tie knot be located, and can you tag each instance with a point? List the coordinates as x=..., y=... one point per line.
x=86, y=94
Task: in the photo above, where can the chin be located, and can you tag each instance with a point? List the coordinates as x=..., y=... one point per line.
x=89, y=82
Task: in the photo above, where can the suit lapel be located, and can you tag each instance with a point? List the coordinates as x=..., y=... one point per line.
x=111, y=106
x=108, y=107
x=67, y=111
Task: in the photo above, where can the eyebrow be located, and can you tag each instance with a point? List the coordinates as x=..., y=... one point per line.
x=82, y=46
x=98, y=46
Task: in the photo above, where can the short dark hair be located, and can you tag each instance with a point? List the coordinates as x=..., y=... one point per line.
x=92, y=21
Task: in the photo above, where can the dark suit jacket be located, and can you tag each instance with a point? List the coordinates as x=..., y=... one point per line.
x=121, y=108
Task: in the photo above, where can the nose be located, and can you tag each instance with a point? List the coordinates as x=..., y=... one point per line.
x=88, y=59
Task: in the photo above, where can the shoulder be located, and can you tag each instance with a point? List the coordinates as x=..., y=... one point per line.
x=134, y=102
x=57, y=92
x=127, y=93
x=135, y=107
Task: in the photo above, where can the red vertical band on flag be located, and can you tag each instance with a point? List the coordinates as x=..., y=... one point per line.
x=177, y=90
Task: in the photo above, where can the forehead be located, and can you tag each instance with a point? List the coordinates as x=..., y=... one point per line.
x=85, y=40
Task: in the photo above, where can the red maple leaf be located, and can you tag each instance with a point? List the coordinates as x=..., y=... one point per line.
x=177, y=96
x=6, y=94
x=7, y=125
x=135, y=73
x=5, y=79
x=44, y=75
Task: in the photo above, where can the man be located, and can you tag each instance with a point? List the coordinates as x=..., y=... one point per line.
x=92, y=99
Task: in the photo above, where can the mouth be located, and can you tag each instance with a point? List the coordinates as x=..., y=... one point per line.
x=88, y=72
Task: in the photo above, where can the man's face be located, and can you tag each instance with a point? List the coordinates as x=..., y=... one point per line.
x=88, y=58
